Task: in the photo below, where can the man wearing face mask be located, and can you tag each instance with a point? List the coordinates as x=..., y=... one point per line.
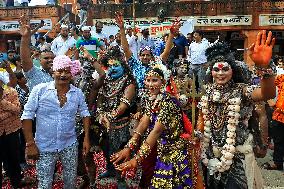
x=33, y=74
x=115, y=103
x=63, y=42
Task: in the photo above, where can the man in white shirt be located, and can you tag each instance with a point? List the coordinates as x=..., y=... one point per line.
x=145, y=39
x=197, y=57
x=100, y=35
x=132, y=40
x=61, y=44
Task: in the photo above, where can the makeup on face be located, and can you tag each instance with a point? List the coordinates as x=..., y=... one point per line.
x=221, y=66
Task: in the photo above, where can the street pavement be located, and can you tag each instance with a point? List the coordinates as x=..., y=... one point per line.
x=273, y=179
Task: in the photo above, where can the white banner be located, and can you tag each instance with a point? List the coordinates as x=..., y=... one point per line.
x=158, y=28
x=14, y=25
x=226, y=20
x=271, y=19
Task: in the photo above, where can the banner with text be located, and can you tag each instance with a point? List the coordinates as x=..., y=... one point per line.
x=14, y=25
x=271, y=19
x=158, y=28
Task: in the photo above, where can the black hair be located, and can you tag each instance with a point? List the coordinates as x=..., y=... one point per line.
x=116, y=54
x=19, y=74
x=77, y=31
x=199, y=32
x=41, y=37
x=11, y=51
x=111, y=36
x=98, y=22
x=156, y=70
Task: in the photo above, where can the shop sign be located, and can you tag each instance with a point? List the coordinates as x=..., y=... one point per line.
x=14, y=25
x=271, y=19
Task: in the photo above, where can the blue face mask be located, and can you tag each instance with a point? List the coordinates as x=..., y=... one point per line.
x=116, y=71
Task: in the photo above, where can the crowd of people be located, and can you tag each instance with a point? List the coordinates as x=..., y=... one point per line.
x=183, y=111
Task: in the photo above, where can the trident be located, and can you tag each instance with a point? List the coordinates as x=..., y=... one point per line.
x=193, y=94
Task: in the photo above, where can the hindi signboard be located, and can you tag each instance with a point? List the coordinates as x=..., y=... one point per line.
x=271, y=19
x=14, y=25
x=224, y=20
x=157, y=27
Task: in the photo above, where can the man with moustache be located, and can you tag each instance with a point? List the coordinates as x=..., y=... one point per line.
x=100, y=35
x=145, y=40
x=61, y=44
x=33, y=74
x=91, y=44
x=55, y=105
x=132, y=40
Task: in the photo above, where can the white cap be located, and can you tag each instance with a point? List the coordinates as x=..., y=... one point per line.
x=63, y=26
x=144, y=28
x=128, y=27
x=84, y=28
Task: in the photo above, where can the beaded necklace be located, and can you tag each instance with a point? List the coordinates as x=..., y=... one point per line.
x=114, y=86
x=223, y=155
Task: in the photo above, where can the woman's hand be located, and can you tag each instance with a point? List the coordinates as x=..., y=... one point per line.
x=261, y=51
x=104, y=121
x=132, y=164
x=137, y=116
x=123, y=155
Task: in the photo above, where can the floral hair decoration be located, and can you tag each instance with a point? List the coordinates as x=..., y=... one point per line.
x=162, y=68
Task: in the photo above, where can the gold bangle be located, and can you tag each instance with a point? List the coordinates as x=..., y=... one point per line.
x=137, y=133
x=132, y=143
x=143, y=153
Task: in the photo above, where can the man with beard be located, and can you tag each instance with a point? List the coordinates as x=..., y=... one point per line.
x=115, y=103
x=100, y=35
x=55, y=105
x=132, y=40
x=61, y=44
x=89, y=43
x=145, y=40
x=33, y=74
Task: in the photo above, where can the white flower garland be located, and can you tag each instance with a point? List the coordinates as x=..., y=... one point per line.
x=215, y=165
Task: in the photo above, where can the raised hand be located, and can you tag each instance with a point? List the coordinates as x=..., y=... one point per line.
x=25, y=29
x=261, y=51
x=119, y=19
x=175, y=26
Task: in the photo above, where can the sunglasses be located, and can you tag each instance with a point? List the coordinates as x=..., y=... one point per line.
x=224, y=69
